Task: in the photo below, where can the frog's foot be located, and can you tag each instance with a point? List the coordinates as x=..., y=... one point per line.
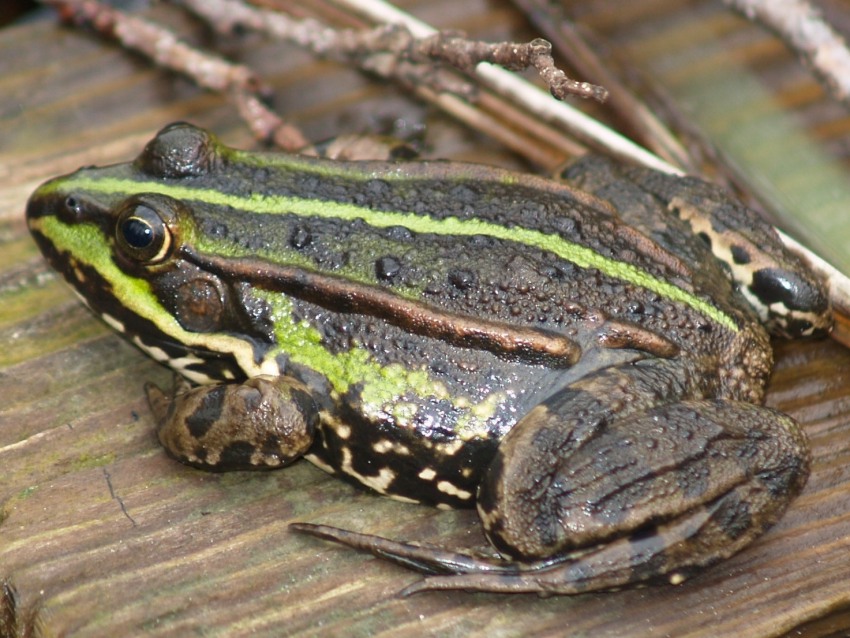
x=467, y=570
x=265, y=422
x=605, y=567
x=426, y=558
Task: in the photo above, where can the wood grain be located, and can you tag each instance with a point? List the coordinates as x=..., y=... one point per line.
x=113, y=538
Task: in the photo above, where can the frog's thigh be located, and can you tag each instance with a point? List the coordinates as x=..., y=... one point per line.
x=265, y=422
x=660, y=491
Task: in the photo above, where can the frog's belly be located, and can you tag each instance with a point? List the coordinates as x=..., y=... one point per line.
x=441, y=458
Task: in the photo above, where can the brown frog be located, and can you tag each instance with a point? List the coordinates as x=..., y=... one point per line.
x=582, y=359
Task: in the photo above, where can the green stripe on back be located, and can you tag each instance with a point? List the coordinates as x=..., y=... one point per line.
x=271, y=204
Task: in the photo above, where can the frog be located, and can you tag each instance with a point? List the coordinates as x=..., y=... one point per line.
x=582, y=358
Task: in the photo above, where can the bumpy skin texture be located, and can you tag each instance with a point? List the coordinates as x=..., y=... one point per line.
x=583, y=362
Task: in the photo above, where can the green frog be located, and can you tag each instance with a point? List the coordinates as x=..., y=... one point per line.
x=583, y=359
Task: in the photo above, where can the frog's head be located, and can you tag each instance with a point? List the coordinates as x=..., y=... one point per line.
x=118, y=235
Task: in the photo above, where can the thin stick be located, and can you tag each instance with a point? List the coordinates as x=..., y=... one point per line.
x=391, y=51
x=800, y=25
x=553, y=22
x=208, y=70
x=523, y=92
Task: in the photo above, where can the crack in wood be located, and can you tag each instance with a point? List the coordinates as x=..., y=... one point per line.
x=115, y=496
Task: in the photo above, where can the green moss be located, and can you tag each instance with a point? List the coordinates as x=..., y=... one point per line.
x=87, y=461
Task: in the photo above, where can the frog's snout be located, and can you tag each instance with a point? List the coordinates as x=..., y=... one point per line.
x=41, y=202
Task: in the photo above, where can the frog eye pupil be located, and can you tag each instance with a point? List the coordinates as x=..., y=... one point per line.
x=137, y=232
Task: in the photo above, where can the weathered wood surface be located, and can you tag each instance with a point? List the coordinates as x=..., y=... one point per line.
x=113, y=538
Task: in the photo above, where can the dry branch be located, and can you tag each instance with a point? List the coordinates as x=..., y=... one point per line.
x=800, y=25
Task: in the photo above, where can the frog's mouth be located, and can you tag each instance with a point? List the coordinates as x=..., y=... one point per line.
x=198, y=365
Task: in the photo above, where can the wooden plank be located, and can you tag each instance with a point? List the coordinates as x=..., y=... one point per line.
x=113, y=538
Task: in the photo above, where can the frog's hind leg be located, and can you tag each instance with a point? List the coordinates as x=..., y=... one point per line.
x=657, y=494
x=591, y=492
x=606, y=567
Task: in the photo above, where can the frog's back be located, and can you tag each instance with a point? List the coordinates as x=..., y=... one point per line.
x=483, y=242
x=450, y=261
x=463, y=262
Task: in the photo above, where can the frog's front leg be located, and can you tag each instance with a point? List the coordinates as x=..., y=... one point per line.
x=265, y=422
x=602, y=486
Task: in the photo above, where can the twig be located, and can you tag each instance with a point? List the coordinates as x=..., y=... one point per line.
x=800, y=25
x=15, y=621
x=525, y=94
x=208, y=70
x=391, y=50
x=635, y=117
x=654, y=119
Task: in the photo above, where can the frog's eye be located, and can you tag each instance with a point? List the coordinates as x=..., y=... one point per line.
x=141, y=234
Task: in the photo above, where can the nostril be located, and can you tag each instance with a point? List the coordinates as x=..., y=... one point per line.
x=73, y=205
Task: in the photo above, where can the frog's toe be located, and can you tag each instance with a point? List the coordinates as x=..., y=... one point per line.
x=425, y=558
